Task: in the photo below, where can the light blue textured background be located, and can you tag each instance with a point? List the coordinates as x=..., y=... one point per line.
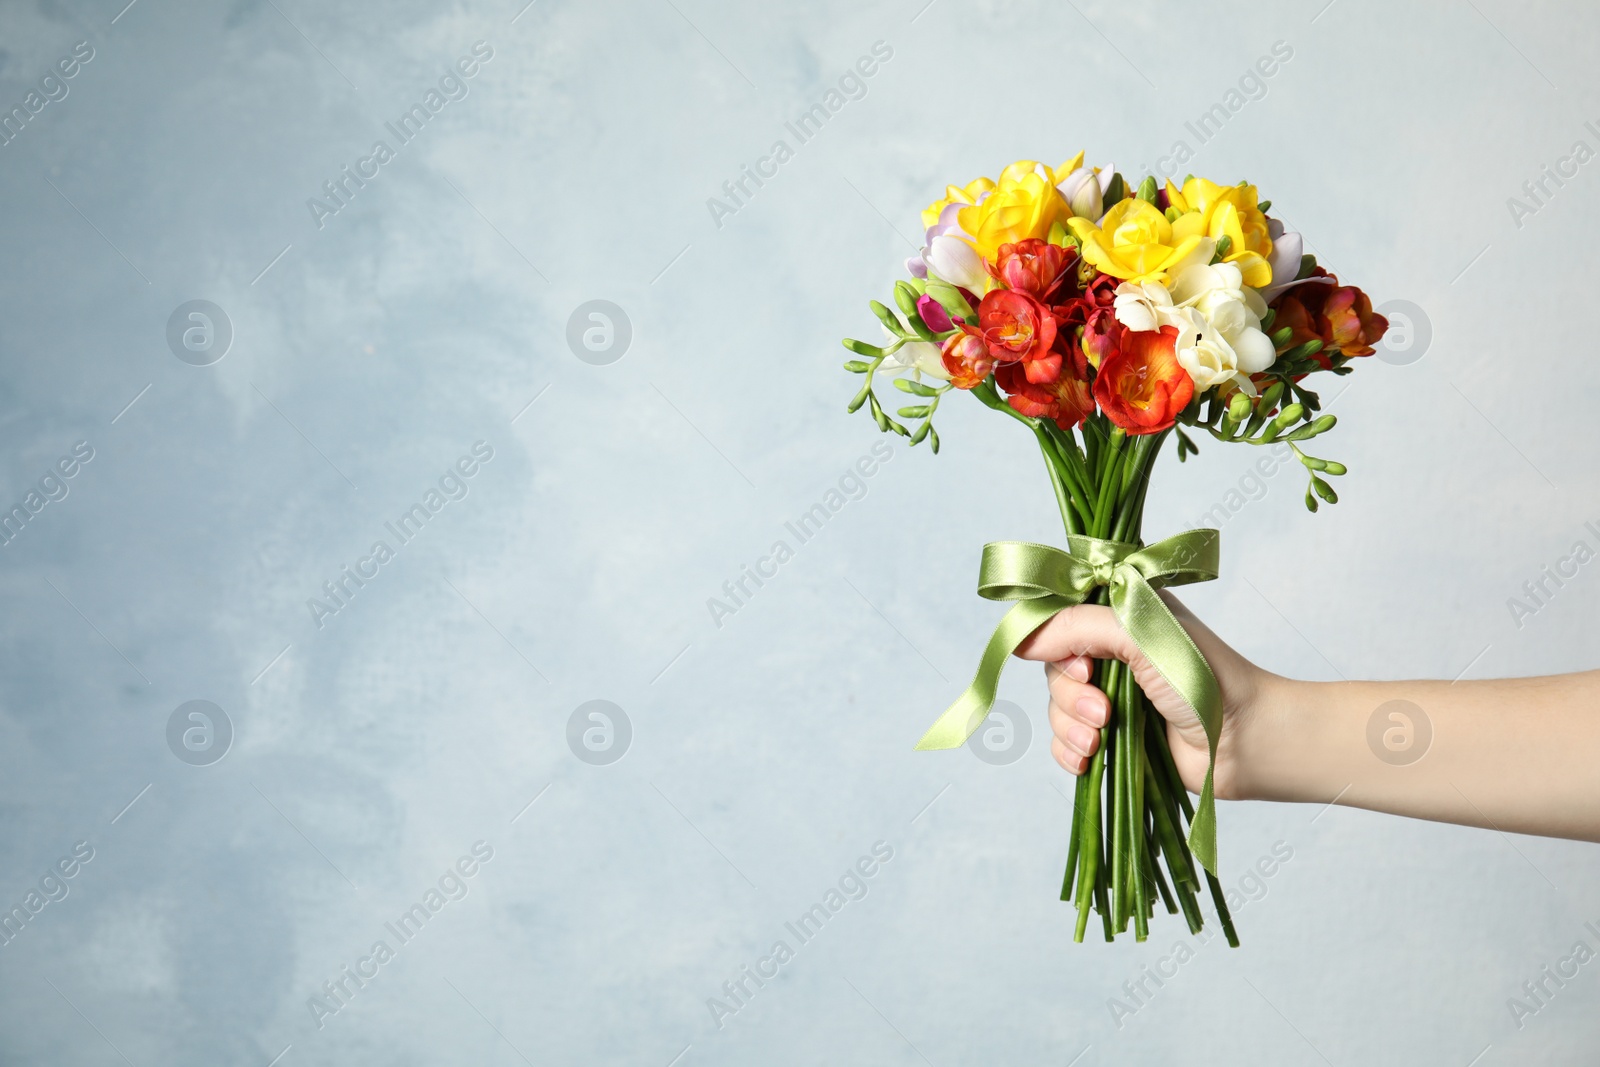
x=771, y=752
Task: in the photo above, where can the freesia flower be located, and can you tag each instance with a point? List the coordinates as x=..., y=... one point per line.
x=958, y=195
x=1135, y=242
x=1033, y=266
x=1339, y=316
x=966, y=358
x=1218, y=211
x=933, y=314
x=920, y=356
x=1349, y=319
x=1102, y=335
x=1142, y=387
x=1020, y=329
x=1288, y=248
x=955, y=252
x=955, y=260
x=1019, y=207
x=1067, y=400
x=1220, y=339
x=1143, y=305
x=1084, y=189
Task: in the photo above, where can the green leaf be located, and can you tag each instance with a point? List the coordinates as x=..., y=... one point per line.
x=1147, y=189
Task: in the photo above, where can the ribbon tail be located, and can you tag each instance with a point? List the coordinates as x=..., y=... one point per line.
x=1172, y=652
x=960, y=719
x=1203, y=827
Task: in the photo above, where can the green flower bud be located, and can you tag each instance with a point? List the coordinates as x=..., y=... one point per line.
x=1147, y=189
x=1117, y=190
x=906, y=385
x=886, y=317
x=915, y=411
x=857, y=366
x=861, y=348
x=1224, y=246
x=1324, y=490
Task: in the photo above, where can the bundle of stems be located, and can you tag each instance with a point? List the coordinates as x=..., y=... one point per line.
x=1131, y=810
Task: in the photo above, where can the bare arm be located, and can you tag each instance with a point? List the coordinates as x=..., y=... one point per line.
x=1516, y=754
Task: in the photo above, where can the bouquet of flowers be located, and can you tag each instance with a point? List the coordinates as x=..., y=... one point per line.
x=1105, y=318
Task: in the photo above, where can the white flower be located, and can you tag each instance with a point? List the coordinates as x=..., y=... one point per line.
x=1085, y=190
x=1224, y=338
x=1142, y=307
x=923, y=356
x=956, y=262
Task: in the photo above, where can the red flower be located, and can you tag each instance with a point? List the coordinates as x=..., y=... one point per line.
x=1142, y=387
x=1340, y=316
x=1067, y=400
x=1018, y=328
x=1032, y=266
x=1349, y=321
x=1102, y=336
x=966, y=357
x=1102, y=292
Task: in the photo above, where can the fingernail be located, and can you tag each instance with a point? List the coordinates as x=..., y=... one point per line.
x=1078, y=668
x=1092, y=710
x=1080, y=737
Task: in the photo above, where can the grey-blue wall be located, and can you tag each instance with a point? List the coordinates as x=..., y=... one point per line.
x=765, y=752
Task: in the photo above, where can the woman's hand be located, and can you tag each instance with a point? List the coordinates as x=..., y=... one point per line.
x=1071, y=641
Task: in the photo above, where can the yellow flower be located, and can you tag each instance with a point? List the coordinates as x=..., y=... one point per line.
x=1136, y=243
x=1219, y=211
x=1023, y=204
x=955, y=194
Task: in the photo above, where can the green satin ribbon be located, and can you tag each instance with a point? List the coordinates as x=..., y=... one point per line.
x=1044, y=580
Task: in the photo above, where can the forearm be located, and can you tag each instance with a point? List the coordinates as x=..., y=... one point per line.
x=1519, y=755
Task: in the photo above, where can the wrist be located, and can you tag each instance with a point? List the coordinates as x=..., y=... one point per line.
x=1271, y=751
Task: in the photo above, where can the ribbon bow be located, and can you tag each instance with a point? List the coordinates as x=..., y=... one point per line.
x=1043, y=580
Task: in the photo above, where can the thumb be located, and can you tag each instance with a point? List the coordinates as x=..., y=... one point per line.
x=1080, y=630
